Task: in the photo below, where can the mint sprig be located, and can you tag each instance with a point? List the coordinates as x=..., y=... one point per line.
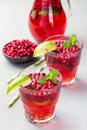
x=71, y=42
x=51, y=76
x=48, y=12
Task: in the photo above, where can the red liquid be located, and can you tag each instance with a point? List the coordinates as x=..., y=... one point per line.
x=51, y=21
x=39, y=104
x=39, y=107
x=68, y=69
x=67, y=63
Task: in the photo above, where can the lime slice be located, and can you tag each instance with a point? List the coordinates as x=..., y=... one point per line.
x=43, y=103
x=16, y=83
x=43, y=48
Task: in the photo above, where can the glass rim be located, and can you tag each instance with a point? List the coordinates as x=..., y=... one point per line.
x=62, y=35
x=62, y=54
x=43, y=90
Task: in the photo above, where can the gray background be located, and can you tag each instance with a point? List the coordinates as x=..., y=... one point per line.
x=71, y=109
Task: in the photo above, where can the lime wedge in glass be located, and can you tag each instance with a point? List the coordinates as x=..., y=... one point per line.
x=19, y=81
x=44, y=47
x=43, y=103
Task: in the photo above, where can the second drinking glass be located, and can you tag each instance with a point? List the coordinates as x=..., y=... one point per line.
x=66, y=60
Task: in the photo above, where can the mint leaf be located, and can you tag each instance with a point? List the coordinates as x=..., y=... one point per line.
x=73, y=38
x=77, y=44
x=54, y=80
x=71, y=42
x=42, y=80
x=51, y=76
x=44, y=12
x=56, y=12
x=66, y=44
x=49, y=11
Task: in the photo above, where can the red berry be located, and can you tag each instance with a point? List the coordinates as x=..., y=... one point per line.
x=65, y=54
x=41, y=92
x=19, y=48
x=38, y=86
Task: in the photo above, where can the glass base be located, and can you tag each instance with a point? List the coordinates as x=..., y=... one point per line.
x=69, y=84
x=39, y=122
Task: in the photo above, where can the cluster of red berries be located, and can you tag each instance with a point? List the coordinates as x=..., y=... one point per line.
x=38, y=86
x=63, y=50
x=19, y=48
x=65, y=54
x=44, y=92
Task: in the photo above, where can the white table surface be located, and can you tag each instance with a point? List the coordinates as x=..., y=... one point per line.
x=71, y=110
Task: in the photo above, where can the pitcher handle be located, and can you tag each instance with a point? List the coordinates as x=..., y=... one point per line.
x=70, y=10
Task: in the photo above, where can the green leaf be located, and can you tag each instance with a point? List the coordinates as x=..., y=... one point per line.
x=66, y=44
x=42, y=80
x=51, y=76
x=44, y=12
x=49, y=11
x=54, y=80
x=56, y=12
x=77, y=44
x=71, y=42
x=73, y=38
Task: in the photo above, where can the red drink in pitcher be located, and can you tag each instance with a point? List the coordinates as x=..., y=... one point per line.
x=46, y=18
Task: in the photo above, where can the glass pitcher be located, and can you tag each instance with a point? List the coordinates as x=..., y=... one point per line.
x=47, y=18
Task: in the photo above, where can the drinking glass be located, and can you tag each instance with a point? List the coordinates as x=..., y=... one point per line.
x=39, y=105
x=67, y=62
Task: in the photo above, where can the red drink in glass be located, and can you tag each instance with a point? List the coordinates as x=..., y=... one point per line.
x=65, y=60
x=39, y=100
